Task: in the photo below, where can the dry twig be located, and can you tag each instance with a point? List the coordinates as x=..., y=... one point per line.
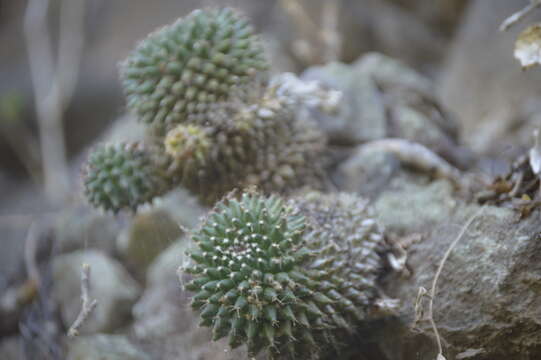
x=54, y=83
x=88, y=305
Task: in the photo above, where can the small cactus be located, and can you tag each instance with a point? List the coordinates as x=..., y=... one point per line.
x=261, y=144
x=183, y=71
x=123, y=175
x=276, y=277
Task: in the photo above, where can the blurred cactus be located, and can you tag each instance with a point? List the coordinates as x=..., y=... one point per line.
x=183, y=71
x=122, y=176
x=218, y=124
x=286, y=277
x=262, y=144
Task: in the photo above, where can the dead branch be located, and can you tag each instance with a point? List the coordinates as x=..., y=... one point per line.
x=88, y=305
x=54, y=83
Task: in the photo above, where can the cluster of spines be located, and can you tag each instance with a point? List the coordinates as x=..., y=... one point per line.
x=260, y=280
x=123, y=175
x=183, y=71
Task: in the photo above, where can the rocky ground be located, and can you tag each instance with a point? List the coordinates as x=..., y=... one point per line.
x=447, y=85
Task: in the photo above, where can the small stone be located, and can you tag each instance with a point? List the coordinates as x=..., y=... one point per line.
x=147, y=236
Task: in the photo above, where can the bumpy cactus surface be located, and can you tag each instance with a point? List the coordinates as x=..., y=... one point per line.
x=262, y=144
x=212, y=115
x=183, y=71
x=122, y=176
x=276, y=277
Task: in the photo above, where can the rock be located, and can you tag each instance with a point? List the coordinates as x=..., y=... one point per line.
x=487, y=301
x=162, y=309
x=485, y=85
x=164, y=268
x=487, y=298
x=147, y=235
x=110, y=285
x=367, y=172
x=384, y=98
x=411, y=204
x=164, y=319
x=80, y=227
x=104, y=347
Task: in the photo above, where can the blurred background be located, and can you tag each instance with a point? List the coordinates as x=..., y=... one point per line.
x=60, y=93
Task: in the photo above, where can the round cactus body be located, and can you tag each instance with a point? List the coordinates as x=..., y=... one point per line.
x=122, y=176
x=267, y=276
x=183, y=71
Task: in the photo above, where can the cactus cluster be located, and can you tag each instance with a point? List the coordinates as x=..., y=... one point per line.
x=201, y=87
x=286, y=277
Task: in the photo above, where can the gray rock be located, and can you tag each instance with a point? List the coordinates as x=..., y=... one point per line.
x=487, y=301
x=104, y=347
x=485, y=85
x=384, y=98
x=412, y=204
x=164, y=268
x=165, y=321
x=147, y=235
x=162, y=310
x=110, y=284
x=367, y=172
x=80, y=227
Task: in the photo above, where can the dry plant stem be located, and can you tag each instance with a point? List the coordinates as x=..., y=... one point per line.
x=519, y=15
x=54, y=83
x=418, y=156
x=30, y=250
x=331, y=35
x=433, y=289
x=88, y=304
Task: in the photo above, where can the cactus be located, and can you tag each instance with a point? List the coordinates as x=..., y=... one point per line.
x=261, y=145
x=123, y=175
x=212, y=116
x=285, y=277
x=184, y=71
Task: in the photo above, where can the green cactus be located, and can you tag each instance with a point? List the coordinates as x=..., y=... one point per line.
x=243, y=132
x=122, y=176
x=183, y=71
x=276, y=277
x=261, y=144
